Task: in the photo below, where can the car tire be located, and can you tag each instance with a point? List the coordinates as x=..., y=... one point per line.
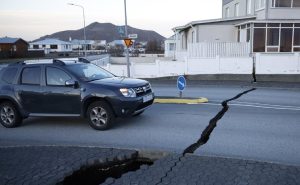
x=100, y=115
x=9, y=115
x=134, y=115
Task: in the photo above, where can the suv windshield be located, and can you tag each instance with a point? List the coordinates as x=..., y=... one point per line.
x=89, y=72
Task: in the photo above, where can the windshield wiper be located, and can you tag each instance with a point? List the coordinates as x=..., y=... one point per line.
x=93, y=79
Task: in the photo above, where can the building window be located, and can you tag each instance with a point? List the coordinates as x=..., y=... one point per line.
x=183, y=42
x=272, y=39
x=296, y=3
x=53, y=46
x=172, y=46
x=259, y=40
x=248, y=35
x=286, y=37
x=248, y=6
x=236, y=9
x=297, y=39
x=14, y=48
x=227, y=12
x=285, y=3
x=35, y=46
x=43, y=46
x=282, y=3
x=244, y=33
x=193, y=37
x=260, y=4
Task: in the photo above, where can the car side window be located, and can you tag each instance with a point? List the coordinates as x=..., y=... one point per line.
x=31, y=76
x=56, y=77
x=9, y=75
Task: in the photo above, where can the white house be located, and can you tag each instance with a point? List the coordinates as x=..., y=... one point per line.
x=260, y=36
x=267, y=25
x=79, y=44
x=51, y=45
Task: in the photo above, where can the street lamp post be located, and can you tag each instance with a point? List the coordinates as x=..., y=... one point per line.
x=84, y=36
x=126, y=35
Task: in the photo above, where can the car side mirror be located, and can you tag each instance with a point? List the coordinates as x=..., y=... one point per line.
x=71, y=83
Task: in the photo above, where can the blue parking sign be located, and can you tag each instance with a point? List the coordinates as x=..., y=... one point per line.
x=181, y=83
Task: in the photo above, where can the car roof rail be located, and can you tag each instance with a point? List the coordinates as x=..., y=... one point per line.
x=83, y=60
x=17, y=63
x=58, y=62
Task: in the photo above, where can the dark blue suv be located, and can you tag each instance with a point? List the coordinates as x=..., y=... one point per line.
x=69, y=88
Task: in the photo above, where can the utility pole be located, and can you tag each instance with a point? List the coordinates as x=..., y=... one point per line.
x=126, y=35
x=84, y=35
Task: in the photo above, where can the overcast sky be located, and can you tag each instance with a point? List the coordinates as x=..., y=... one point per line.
x=31, y=19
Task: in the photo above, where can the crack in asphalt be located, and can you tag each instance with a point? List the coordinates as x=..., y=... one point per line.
x=171, y=169
x=212, y=124
x=206, y=133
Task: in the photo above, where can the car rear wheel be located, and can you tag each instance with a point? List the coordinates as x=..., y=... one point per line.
x=100, y=115
x=9, y=115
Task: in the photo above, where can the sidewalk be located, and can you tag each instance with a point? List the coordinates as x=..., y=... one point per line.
x=50, y=165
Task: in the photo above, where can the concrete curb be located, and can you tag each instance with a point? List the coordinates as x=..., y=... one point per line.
x=175, y=100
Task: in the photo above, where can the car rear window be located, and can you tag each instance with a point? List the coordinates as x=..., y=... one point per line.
x=9, y=75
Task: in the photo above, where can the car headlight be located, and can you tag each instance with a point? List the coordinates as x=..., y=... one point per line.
x=128, y=92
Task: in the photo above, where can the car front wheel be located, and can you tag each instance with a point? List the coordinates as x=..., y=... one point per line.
x=100, y=115
x=9, y=115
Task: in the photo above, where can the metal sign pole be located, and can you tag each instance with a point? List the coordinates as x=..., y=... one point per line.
x=126, y=35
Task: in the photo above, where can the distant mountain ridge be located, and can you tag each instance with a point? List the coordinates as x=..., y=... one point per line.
x=104, y=31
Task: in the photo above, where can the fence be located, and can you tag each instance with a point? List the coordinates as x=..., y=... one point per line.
x=221, y=49
x=160, y=68
x=100, y=60
x=278, y=63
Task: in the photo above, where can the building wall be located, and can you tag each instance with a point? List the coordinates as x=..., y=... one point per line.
x=278, y=63
x=242, y=8
x=268, y=12
x=170, y=48
x=216, y=33
x=284, y=13
x=47, y=47
x=16, y=50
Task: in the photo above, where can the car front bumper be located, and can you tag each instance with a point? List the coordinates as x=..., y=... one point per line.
x=124, y=107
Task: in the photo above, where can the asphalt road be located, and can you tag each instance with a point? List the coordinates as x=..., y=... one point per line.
x=262, y=125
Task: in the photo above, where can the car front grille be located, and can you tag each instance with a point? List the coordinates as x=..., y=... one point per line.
x=141, y=91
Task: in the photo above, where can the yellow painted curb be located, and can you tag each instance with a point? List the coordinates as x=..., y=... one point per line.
x=181, y=100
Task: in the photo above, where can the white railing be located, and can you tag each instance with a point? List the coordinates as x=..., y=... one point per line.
x=100, y=60
x=221, y=49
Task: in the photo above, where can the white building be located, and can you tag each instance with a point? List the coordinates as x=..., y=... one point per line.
x=79, y=44
x=51, y=45
x=170, y=46
x=258, y=37
x=268, y=26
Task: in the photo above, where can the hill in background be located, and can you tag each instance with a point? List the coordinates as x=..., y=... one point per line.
x=104, y=31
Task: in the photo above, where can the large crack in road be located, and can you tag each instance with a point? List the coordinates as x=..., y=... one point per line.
x=212, y=124
x=206, y=132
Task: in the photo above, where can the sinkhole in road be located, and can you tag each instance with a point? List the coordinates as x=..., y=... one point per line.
x=97, y=174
